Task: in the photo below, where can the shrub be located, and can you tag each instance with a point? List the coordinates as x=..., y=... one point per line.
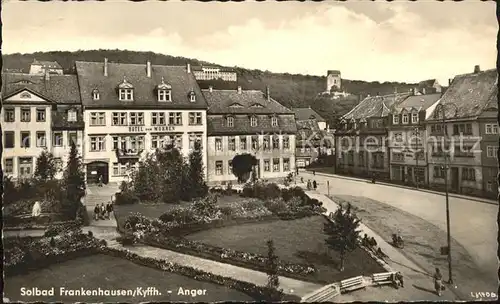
x=276, y=206
x=126, y=198
x=206, y=207
x=179, y=215
x=252, y=204
x=126, y=240
x=227, y=211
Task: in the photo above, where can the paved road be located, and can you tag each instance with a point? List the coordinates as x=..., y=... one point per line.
x=473, y=224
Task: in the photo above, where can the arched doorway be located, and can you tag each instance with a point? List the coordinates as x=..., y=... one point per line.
x=96, y=169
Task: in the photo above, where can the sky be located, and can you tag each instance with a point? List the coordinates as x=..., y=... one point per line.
x=371, y=41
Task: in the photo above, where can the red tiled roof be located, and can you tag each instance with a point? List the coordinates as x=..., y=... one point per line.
x=375, y=106
x=247, y=102
x=418, y=102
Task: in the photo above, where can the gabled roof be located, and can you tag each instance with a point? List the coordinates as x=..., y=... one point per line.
x=251, y=101
x=375, y=106
x=471, y=94
x=91, y=76
x=307, y=114
x=47, y=64
x=426, y=83
x=58, y=88
x=417, y=102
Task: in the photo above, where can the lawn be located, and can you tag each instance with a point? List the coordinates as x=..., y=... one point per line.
x=296, y=241
x=422, y=241
x=105, y=272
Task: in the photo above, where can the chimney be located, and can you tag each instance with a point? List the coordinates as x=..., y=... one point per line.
x=106, y=67
x=476, y=69
x=450, y=81
x=149, y=69
x=210, y=89
x=268, y=94
x=189, y=68
x=239, y=89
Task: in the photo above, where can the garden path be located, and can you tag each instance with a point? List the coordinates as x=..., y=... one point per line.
x=418, y=284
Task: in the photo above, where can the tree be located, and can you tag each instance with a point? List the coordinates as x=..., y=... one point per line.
x=46, y=167
x=342, y=233
x=275, y=294
x=195, y=175
x=74, y=181
x=242, y=166
x=172, y=168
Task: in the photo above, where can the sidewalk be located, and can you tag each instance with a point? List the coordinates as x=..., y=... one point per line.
x=418, y=284
x=472, y=198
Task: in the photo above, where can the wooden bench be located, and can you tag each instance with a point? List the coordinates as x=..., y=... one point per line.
x=383, y=278
x=352, y=284
x=323, y=294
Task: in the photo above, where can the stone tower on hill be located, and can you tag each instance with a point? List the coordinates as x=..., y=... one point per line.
x=333, y=80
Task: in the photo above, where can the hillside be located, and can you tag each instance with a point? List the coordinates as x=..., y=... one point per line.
x=290, y=90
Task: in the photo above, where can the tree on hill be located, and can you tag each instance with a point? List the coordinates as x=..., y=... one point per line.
x=342, y=233
x=46, y=166
x=74, y=181
x=243, y=165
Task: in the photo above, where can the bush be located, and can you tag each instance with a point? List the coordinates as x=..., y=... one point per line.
x=126, y=240
x=277, y=205
x=126, y=198
x=252, y=204
x=179, y=215
x=227, y=211
x=261, y=190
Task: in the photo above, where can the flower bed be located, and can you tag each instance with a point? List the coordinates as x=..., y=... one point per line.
x=259, y=293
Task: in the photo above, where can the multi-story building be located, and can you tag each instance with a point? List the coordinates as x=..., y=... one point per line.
x=471, y=144
x=333, y=81
x=132, y=109
x=40, y=112
x=213, y=73
x=361, y=138
x=407, y=137
x=248, y=121
x=311, y=137
x=44, y=67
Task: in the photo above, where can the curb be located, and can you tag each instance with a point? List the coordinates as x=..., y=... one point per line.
x=472, y=198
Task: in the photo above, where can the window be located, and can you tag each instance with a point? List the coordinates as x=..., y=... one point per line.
x=414, y=118
x=9, y=115
x=286, y=142
x=468, y=174
x=491, y=151
x=9, y=139
x=463, y=151
x=218, y=168
x=437, y=129
x=195, y=118
x=255, y=142
x=395, y=119
x=276, y=164
x=361, y=158
x=95, y=94
x=462, y=129
x=97, y=143
x=72, y=138
x=218, y=144
x=253, y=121
x=491, y=128
x=40, y=115
x=126, y=94
x=119, y=169
x=230, y=122
x=175, y=118
x=119, y=118
x=232, y=143
x=439, y=172
x=72, y=115
x=9, y=166
x=276, y=142
x=489, y=186
x=137, y=118
x=243, y=143
x=378, y=160
x=267, y=165
x=192, y=97
x=155, y=141
x=158, y=119
x=350, y=158
x=286, y=164
x=25, y=167
x=97, y=119
x=25, y=139
x=25, y=114
x=267, y=145
x=57, y=139
x=40, y=139
x=398, y=157
x=164, y=95
x=274, y=121
x=405, y=118
x=193, y=138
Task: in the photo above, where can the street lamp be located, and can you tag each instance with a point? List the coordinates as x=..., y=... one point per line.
x=442, y=108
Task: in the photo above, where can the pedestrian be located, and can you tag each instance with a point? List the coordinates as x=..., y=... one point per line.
x=438, y=282
x=96, y=212
x=314, y=172
x=399, y=278
x=109, y=209
x=308, y=184
x=315, y=185
x=103, y=211
x=365, y=242
x=100, y=181
x=301, y=180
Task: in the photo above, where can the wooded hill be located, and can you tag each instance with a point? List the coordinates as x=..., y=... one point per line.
x=292, y=90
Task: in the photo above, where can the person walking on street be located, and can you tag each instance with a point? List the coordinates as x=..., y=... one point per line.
x=308, y=184
x=315, y=185
x=96, y=212
x=314, y=172
x=438, y=282
x=100, y=181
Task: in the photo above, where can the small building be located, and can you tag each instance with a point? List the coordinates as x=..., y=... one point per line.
x=214, y=73
x=248, y=121
x=471, y=126
x=43, y=67
x=333, y=81
x=430, y=86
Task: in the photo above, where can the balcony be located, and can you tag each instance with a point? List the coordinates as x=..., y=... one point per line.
x=128, y=154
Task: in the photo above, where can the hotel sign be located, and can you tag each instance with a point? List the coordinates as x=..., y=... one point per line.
x=149, y=129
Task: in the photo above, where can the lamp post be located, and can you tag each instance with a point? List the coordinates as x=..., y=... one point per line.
x=442, y=108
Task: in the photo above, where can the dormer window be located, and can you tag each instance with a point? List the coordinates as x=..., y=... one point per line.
x=230, y=121
x=164, y=91
x=126, y=91
x=71, y=115
x=95, y=94
x=192, y=96
x=253, y=121
x=395, y=119
x=414, y=117
x=405, y=118
x=274, y=121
